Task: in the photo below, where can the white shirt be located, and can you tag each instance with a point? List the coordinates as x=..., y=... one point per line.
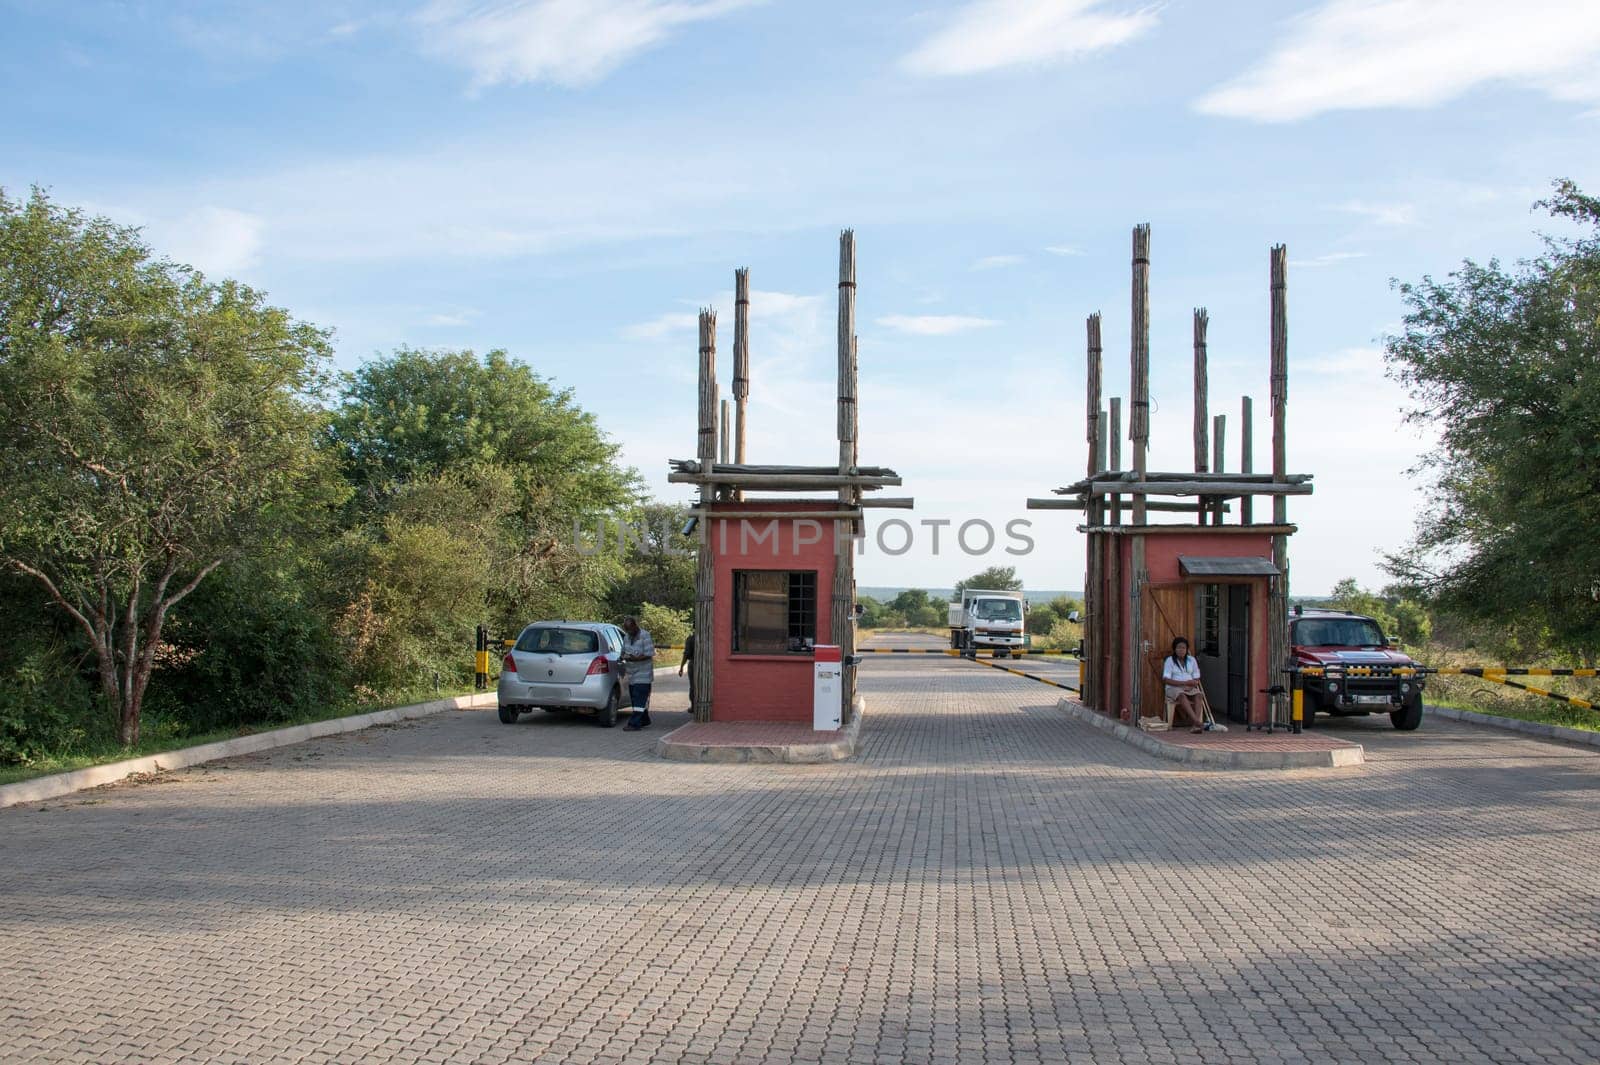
x=1174, y=672
x=640, y=672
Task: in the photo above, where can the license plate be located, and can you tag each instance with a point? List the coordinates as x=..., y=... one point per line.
x=1372, y=700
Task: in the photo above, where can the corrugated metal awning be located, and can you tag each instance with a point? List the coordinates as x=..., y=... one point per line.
x=1193, y=566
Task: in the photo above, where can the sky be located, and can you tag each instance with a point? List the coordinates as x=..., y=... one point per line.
x=570, y=180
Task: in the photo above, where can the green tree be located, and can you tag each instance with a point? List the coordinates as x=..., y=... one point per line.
x=153, y=425
x=1500, y=363
x=995, y=578
x=1399, y=617
x=419, y=416
x=418, y=413
x=918, y=608
x=657, y=563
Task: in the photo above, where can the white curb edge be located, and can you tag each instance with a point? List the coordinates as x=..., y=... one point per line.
x=1537, y=729
x=58, y=784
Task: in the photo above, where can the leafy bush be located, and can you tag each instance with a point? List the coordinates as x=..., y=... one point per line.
x=45, y=707
x=667, y=627
x=251, y=646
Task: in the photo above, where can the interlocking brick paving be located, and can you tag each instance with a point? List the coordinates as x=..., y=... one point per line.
x=987, y=882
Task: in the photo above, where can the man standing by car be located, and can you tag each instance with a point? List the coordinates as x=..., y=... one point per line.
x=638, y=655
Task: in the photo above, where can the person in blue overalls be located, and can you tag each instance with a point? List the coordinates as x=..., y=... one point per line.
x=638, y=656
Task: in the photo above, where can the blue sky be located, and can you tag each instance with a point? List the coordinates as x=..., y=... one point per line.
x=571, y=179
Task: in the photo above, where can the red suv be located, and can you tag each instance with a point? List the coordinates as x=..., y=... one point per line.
x=1337, y=639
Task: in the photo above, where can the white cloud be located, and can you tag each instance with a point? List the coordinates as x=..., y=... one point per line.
x=990, y=35
x=1384, y=214
x=662, y=326
x=1332, y=258
x=1354, y=54
x=216, y=240
x=452, y=318
x=1065, y=249
x=934, y=325
x=1363, y=362
x=566, y=42
x=995, y=262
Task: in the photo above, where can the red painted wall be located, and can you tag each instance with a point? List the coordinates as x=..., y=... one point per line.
x=1161, y=561
x=748, y=687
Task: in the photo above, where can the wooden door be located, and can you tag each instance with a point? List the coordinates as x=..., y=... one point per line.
x=1168, y=612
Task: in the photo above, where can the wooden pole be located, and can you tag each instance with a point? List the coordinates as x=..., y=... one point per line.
x=1201, y=401
x=1095, y=432
x=1139, y=359
x=1219, y=433
x=1115, y=437
x=723, y=426
x=1278, y=597
x=842, y=621
x=1139, y=431
x=741, y=363
x=1116, y=645
x=705, y=568
x=1245, y=458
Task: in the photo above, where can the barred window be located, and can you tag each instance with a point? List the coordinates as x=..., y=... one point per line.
x=1208, y=619
x=774, y=611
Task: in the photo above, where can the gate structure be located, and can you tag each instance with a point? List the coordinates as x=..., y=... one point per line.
x=775, y=575
x=1221, y=583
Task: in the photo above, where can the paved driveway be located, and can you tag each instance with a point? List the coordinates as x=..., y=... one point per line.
x=987, y=882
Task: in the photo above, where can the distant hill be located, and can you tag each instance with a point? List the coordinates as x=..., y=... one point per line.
x=883, y=595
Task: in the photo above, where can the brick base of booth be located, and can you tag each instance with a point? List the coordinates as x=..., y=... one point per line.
x=760, y=741
x=1234, y=749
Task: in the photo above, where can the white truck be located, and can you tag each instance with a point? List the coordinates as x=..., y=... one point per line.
x=988, y=619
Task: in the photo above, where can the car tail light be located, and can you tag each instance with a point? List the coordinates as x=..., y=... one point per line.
x=598, y=668
x=508, y=664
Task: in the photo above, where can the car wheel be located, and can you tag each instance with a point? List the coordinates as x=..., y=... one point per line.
x=607, y=716
x=1308, y=713
x=508, y=715
x=1408, y=717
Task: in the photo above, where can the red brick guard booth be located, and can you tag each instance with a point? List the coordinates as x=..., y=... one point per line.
x=1209, y=573
x=774, y=574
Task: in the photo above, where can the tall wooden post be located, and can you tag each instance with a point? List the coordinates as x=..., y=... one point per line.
x=1139, y=362
x=1091, y=580
x=1097, y=545
x=1139, y=431
x=1278, y=599
x=1201, y=402
x=741, y=362
x=1219, y=452
x=705, y=569
x=841, y=618
x=1114, y=436
x=723, y=425
x=1246, y=446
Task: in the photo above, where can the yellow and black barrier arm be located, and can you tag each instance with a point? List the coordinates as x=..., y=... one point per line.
x=1570, y=700
x=1023, y=673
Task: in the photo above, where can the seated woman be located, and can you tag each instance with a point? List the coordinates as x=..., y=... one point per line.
x=1181, y=675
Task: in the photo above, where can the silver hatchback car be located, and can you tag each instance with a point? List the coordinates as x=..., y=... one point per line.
x=564, y=665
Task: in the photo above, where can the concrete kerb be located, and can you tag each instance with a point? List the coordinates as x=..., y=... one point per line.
x=59, y=784
x=787, y=753
x=1212, y=758
x=1538, y=729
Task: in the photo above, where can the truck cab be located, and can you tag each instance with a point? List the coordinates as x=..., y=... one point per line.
x=991, y=619
x=1335, y=641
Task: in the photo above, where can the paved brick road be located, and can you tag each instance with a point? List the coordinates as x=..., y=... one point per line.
x=988, y=882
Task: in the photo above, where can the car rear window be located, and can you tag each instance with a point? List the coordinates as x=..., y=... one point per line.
x=556, y=641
